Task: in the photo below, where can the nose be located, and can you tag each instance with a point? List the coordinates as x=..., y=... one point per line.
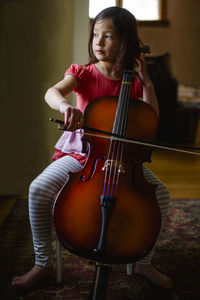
x=100, y=41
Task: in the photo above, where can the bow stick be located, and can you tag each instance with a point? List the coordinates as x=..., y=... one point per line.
x=109, y=135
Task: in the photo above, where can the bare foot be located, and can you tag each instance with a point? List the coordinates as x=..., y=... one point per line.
x=31, y=278
x=153, y=275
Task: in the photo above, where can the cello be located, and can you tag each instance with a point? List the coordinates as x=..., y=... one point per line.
x=108, y=211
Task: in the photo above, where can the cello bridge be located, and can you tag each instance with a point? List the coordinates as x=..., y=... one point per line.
x=111, y=163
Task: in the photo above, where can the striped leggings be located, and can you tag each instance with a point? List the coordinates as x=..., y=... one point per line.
x=41, y=194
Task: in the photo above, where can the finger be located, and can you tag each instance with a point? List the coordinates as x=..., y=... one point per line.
x=137, y=77
x=74, y=120
x=67, y=117
x=139, y=65
x=70, y=124
x=81, y=122
x=140, y=61
x=137, y=61
x=142, y=58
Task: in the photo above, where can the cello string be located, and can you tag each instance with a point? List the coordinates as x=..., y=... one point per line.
x=123, y=105
x=106, y=176
x=124, y=117
x=117, y=163
x=120, y=121
x=121, y=129
x=115, y=145
x=117, y=129
x=118, y=170
x=109, y=179
x=109, y=168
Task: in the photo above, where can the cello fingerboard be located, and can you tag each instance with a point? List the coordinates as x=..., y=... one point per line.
x=120, y=121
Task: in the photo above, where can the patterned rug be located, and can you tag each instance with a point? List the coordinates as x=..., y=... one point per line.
x=178, y=255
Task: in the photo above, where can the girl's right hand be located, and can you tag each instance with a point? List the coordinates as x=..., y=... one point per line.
x=73, y=117
x=55, y=97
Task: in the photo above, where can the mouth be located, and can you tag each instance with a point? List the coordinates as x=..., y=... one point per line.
x=99, y=51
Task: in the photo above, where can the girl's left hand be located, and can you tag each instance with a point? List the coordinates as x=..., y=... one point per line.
x=142, y=74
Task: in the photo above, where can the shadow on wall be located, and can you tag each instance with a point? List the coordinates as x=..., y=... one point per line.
x=34, y=45
x=159, y=69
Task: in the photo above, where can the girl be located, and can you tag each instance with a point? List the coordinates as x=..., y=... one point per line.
x=113, y=45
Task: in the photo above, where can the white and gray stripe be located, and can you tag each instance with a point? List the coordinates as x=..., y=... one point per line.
x=41, y=195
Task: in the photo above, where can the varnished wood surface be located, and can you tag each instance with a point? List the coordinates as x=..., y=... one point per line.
x=180, y=172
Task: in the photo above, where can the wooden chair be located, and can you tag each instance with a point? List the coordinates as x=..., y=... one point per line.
x=59, y=263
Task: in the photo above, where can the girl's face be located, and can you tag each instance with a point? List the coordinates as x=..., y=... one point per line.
x=105, y=42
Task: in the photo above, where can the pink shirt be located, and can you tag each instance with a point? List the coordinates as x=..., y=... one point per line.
x=92, y=84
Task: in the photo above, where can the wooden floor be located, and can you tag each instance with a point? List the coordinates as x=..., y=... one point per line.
x=180, y=172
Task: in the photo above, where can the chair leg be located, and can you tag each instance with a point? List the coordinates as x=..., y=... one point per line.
x=58, y=261
x=129, y=269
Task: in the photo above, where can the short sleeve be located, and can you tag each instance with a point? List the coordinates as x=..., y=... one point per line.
x=78, y=72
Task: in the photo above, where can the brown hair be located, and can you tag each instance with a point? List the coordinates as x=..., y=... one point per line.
x=126, y=28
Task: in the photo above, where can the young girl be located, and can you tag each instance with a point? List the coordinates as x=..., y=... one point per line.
x=113, y=45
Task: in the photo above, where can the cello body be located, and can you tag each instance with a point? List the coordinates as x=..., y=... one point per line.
x=134, y=224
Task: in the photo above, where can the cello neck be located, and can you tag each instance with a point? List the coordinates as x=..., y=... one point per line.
x=120, y=121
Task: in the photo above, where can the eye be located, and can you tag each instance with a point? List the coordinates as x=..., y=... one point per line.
x=108, y=36
x=95, y=35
